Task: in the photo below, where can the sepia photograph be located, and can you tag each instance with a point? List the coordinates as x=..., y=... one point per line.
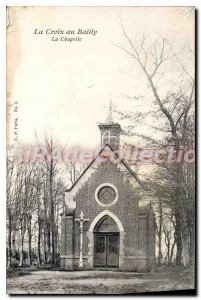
x=100, y=150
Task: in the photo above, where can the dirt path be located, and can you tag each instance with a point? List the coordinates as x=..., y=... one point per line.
x=92, y=282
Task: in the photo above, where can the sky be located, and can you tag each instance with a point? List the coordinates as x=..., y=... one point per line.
x=64, y=88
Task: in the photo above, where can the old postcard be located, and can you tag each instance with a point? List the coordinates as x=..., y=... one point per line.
x=100, y=150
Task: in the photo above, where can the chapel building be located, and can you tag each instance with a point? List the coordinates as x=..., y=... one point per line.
x=108, y=221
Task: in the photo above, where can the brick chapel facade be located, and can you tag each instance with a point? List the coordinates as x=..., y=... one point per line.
x=104, y=222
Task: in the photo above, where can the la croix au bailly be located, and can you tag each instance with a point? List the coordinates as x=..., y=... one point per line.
x=60, y=31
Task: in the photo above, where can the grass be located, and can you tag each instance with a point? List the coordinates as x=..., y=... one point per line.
x=17, y=272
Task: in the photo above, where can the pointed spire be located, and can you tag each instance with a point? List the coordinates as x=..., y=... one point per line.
x=109, y=119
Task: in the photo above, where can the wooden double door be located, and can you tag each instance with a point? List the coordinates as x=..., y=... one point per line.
x=106, y=250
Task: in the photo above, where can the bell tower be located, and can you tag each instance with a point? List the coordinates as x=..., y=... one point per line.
x=110, y=131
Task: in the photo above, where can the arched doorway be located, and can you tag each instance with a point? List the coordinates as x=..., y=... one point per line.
x=106, y=243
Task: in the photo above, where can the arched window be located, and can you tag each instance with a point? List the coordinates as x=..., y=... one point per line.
x=106, y=224
x=109, y=137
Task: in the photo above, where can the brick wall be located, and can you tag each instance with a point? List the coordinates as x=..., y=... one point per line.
x=126, y=207
x=138, y=241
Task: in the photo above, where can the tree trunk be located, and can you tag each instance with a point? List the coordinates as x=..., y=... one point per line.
x=186, y=258
x=172, y=251
x=44, y=243
x=21, y=251
x=52, y=216
x=48, y=243
x=167, y=242
x=29, y=251
x=39, y=243
x=56, y=245
x=14, y=243
x=160, y=255
x=9, y=242
x=178, y=235
x=179, y=216
x=29, y=241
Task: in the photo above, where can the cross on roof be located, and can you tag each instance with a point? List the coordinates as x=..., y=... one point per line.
x=110, y=119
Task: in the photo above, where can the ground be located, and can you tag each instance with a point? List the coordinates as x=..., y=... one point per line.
x=96, y=282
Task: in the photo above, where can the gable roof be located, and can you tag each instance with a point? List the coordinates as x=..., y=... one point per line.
x=121, y=161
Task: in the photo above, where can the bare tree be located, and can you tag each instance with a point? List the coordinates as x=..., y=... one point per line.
x=47, y=150
x=73, y=171
x=173, y=108
x=11, y=202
